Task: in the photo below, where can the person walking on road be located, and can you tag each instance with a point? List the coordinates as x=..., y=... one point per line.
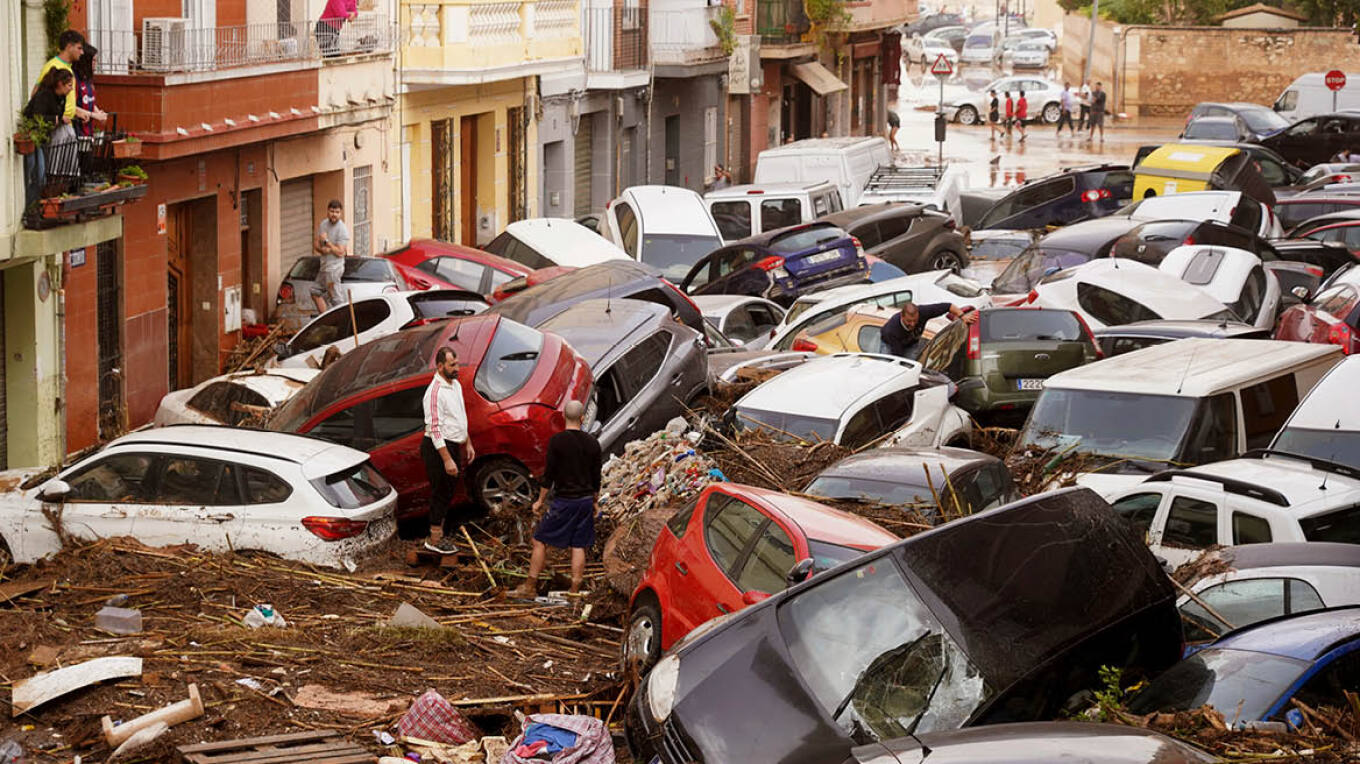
x=446, y=449
x=1085, y=98
x=1097, y=113
x=574, y=461
x=332, y=244
x=901, y=335
x=1021, y=112
x=1065, y=110
x=1010, y=113
x=994, y=113
x=894, y=124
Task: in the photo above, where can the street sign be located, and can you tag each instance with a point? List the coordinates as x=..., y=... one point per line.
x=942, y=67
x=1335, y=79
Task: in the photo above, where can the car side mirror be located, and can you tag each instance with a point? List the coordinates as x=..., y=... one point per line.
x=55, y=492
x=281, y=350
x=752, y=597
x=1300, y=292
x=800, y=572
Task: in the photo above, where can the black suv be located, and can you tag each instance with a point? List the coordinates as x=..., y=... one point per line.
x=910, y=236
x=1066, y=197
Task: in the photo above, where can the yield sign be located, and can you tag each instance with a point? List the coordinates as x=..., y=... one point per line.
x=941, y=67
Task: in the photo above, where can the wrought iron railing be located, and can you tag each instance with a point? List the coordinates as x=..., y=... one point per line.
x=75, y=177
x=781, y=22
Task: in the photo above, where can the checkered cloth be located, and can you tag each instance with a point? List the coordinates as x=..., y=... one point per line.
x=433, y=718
x=593, y=744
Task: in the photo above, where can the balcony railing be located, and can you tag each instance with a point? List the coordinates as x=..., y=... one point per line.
x=685, y=36
x=459, y=37
x=615, y=37
x=781, y=22
x=77, y=179
x=173, y=45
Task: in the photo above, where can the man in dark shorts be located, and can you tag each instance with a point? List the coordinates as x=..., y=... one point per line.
x=894, y=124
x=1097, y=113
x=573, y=475
x=994, y=113
x=901, y=335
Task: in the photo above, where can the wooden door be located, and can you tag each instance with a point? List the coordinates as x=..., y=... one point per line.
x=179, y=296
x=468, y=180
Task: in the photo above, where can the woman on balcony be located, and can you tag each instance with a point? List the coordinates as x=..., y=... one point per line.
x=49, y=105
x=85, y=102
x=333, y=18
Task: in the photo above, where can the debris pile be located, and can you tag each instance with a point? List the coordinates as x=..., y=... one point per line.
x=1323, y=735
x=661, y=470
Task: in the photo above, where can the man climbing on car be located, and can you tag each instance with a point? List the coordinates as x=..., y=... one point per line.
x=901, y=335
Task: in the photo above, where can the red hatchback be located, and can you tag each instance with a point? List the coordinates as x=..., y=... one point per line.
x=1332, y=317
x=462, y=267
x=515, y=382
x=733, y=546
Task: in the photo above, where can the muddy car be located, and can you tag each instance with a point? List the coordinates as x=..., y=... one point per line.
x=999, y=617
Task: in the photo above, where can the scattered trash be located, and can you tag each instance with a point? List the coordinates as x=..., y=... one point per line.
x=495, y=747
x=30, y=693
x=139, y=739
x=117, y=600
x=183, y=711
x=118, y=620
x=659, y=470
x=384, y=737
x=410, y=616
x=42, y=655
x=563, y=739
x=252, y=683
x=360, y=704
x=11, y=753
x=263, y=615
x=432, y=717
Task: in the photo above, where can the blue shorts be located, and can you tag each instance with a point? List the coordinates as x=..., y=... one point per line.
x=568, y=524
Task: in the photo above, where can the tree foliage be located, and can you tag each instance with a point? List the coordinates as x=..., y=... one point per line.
x=1202, y=12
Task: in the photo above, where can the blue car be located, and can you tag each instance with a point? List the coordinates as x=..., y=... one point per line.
x=1078, y=193
x=1252, y=674
x=781, y=265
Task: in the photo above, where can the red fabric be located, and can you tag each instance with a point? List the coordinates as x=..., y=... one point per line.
x=432, y=717
x=339, y=9
x=1010, y=108
x=1022, y=108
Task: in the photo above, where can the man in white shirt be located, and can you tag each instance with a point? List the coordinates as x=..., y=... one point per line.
x=332, y=244
x=446, y=449
x=1084, y=98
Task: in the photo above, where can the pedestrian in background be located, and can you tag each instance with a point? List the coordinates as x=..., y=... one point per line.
x=1097, y=113
x=333, y=19
x=994, y=113
x=1065, y=110
x=1021, y=112
x=1085, y=99
x=572, y=475
x=446, y=449
x=894, y=124
x=1010, y=113
x=332, y=244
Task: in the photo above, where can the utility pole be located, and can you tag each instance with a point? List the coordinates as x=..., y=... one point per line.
x=1090, y=42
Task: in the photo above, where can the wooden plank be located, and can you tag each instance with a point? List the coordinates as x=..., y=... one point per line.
x=16, y=589
x=40, y=688
x=230, y=745
x=540, y=698
x=273, y=755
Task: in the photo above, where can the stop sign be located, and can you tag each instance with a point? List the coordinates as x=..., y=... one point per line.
x=1335, y=79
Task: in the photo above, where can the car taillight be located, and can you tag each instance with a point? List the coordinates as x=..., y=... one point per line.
x=285, y=292
x=974, y=341
x=1032, y=296
x=1090, y=335
x=801, y=345
x=949, y=223
x=1189, y=240
x=1341, y=178
x=770, y=263
x=1095, y=195
x=1340, y=334
x=334, y=528
x=1314, y=270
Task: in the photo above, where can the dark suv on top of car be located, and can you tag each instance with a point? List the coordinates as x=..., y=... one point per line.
x=1065, y=197
x=912, y=237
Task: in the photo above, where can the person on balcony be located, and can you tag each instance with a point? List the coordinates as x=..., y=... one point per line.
x=333, y=18
x=48, y=104
x=70, y=49
x=83, y=68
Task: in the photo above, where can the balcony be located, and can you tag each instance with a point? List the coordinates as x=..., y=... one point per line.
x=782, y=24
x=81, y=179
x=469, y=42
x=685, y=37
x=876, y=14
x=615, y=39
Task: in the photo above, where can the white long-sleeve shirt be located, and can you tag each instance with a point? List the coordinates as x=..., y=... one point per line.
x=445, y=417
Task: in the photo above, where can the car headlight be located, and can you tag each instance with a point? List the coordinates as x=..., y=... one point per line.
x=661, y=687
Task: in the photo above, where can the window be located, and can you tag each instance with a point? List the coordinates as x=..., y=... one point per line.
x=740, y=326
x=1139, y=509
x=679, y=522
x=1240, y=603
x=1342, y=526
x=1111, y=308
x=354, y=487
x=1265, y=407
x=1213, y=433
x=1248, y=304
x=339, y=324
x=1329, y=687
x=806, y=238
x=435, y=305
x=1247, y=214
x=728, y=529
x=264, y=487
x=768, y=564
x=733, y=219
x=1301, y=597
x=509, y=361
x=219, y=401
x=1338, y=302
x=945, y=351
x=1191, y=523
x=1044, y=192
x=396, y=415
x=868, y=235
x=463, y=274
x=1273, y=172
x=862, y=428
x=510, y=248
x=361, y=222
x=893, y=227
x=340, y=426
x=187, y=480
x=780, y=213
x=870, y=339
x=1250, y=529
x=628, y=232
x=644, y=360
x=1306, y=127
x=1009, y=325
x=118, y=478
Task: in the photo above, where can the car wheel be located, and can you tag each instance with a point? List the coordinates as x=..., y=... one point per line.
x=945, y=260
x=1052, y=112
x=642, y=640
x=503, y=484
x=967, y=115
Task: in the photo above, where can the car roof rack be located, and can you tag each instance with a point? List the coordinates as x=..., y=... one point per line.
x=1231, y=485
x=1325, y=465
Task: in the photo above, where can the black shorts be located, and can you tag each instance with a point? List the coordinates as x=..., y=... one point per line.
x=568, y=524
x=1098, y=119
x=994, y=117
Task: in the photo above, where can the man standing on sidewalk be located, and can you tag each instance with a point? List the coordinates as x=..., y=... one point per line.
x=1085, y=98
x=332, y=244
x=446, y=449
x=573, y=475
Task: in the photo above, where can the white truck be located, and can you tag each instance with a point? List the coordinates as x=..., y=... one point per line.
x=864, y=170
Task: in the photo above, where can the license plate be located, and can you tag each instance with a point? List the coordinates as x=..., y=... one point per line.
x=1029, y=384
x=823, y=257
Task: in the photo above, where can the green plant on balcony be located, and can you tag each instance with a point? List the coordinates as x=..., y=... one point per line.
x=31, y=132
x=725, y=27
x=55, y=21
x=826, y=15
x=132, y=174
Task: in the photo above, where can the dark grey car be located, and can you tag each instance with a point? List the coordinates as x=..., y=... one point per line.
x=612, y=280
x=1034, y=743
x=647, y=365
x=965, y=481
x=910, y=236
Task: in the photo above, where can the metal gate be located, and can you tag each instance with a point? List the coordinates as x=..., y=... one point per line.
x=519, y=187
x=441, y=168
x=584, y=176
x=296, y=222
x=110, y=347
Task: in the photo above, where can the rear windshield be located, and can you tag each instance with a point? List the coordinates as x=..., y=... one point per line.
x=1026, y=270
x=1338, y=446
x=438, y=305
x=1010, y=325
x=999, y=248
x=1342, y=526
x=674, y=254
x=1211, y=129
x=352, y=488
x=826, y=555
x=1262, y=120
x=509, y=361
x=367, y=269
x=806, y=238
x=893, y=492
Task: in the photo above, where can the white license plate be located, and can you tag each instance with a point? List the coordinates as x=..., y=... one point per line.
x=1029, y=384
x=823, y=257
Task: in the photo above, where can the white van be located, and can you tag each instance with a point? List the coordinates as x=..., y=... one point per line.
x=848, y=162
x=742, y=211
x=1308, y=96
x=666, y=227
x=546, y=242
x=1182, y=403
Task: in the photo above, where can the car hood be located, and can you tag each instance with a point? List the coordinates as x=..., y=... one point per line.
x=1107, y=484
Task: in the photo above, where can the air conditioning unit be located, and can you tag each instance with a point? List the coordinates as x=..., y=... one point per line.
x=164, y=41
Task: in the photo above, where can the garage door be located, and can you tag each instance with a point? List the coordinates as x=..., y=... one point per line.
x=585, y=189
x=296, y=222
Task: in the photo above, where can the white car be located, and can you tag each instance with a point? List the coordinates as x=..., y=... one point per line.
x=372, y=318
x=1232, y=207
x=743, y=319
x=219, y=488
x=1028, y=55
x=926, y=50
x=1326, y=423
x=549, y=242
x=1253, y=499
x=853, y=399
x=1112, y=291
x=362, y=277
x=1234, y=277
x=980, y=48
x=666, y=227
x=232, y=398
x=1044, y=97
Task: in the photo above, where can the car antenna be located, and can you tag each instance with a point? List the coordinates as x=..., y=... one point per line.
x=1181, y=385
x=1332, y=456
x=609, y=296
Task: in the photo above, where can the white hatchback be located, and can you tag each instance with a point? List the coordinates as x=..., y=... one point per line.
x=219, y=488
x=1113, y=291
x=1234, y=277
x=346, y=327
x=232, y=398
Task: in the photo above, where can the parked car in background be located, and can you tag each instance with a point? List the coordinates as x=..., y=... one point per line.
x=731, y=546
x=218, y=488
x=1043, y=95
x=861, y=398
x=1326, y=423
x=781, y=265
x=982, y=48
x=1046, y=37
x=912, y=237
x=1229, y=207
x=515, y=380
x=1320, y=176
x=346, y=327
x=929, y=23
x=919, y=479
x=1000, y=361
x=1316, y=139
x=461, y=267
x=1126, y=338
x=1346, y=234
x=1035, y=743
x=647, y=366
x=847, y=161
x=1295, y=210
x=1216, y=129
x=613, y=280
x=666, y=227
x=1234, y=277
x=1028, y=55
x=1259, y=121
x=547, y=242
x=1342, y=215
x=363, y=277
x=858, y=330
x=744, y=211
x=1113, y=291
x=232, y=399
x=1064, y=197
x=1331, y=317
x=741, y=318
x=953, y=36
x=926, y=50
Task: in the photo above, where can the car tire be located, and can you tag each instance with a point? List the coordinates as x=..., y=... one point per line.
x=642, y=639
x=503, y=484
x=967, y=115
x=944, y=260
x=1052, y=113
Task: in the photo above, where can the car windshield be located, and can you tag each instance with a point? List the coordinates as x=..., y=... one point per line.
x=351, y=488
x=998, y=248
x=875, y=658
x=1240, y=684
x=367, y=270
x=894, y=492
x=786, y=426
x=674, y=254
x=1026, y=325
x=1262, y=120
x=1339, y=446
x=1032, y=265
x=826, y=555
x=510, y=360
x=1211, y=129
x=1117, y=425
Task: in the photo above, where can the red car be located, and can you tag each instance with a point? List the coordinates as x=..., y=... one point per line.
x=461, y=267
x=515, y=381
x=731, y=547
x=1343, y=233
x=534, y=278
x=1332, y=317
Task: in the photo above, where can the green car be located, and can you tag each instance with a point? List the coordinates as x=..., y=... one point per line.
x=1000, y=361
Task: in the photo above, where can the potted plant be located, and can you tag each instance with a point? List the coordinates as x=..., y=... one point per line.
x=51, y=207
x=132, y=174
x=131, y=146
x=32, y=132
